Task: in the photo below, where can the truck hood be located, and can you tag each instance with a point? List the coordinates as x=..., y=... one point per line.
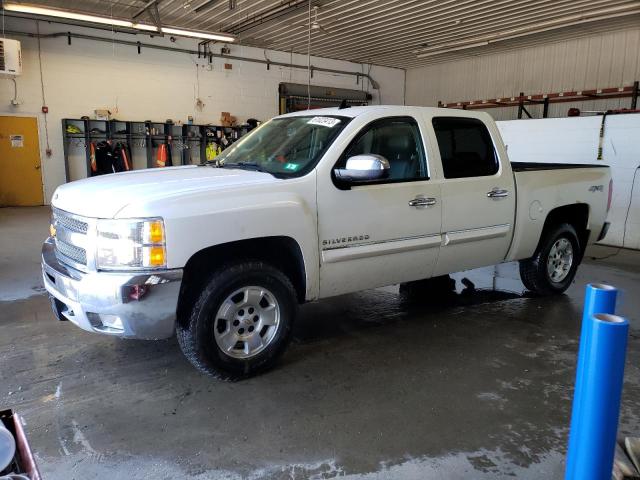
x=106, y=195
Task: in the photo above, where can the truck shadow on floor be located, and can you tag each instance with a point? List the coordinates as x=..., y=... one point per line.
x=429, y=300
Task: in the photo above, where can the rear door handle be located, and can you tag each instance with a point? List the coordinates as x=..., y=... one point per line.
x=498, y=193
x=422, y=202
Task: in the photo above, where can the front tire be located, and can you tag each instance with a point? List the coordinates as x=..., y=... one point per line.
x=553, y=267
x=241, y=322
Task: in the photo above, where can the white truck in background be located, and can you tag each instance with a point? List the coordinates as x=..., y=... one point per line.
x=310, y=205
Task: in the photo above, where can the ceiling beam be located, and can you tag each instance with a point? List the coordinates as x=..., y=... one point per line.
x=205, y=5
x=148, y=5
x=283, y=10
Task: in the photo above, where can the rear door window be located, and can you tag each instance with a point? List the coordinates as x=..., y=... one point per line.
x=466, y=148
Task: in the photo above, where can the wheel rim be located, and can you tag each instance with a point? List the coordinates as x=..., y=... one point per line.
x=247, y=322
x=560, y=260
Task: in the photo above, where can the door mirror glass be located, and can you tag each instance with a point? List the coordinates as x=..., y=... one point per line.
x=364, y=168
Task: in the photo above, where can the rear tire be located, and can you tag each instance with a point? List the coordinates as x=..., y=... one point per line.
x=553, y=267
x=241, y=322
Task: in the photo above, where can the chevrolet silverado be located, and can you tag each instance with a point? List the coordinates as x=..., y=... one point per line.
x=310, y=205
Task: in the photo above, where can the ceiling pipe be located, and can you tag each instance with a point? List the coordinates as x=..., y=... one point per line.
x=81, y=36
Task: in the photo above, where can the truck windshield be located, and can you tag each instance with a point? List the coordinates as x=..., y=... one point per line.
x=284, y=147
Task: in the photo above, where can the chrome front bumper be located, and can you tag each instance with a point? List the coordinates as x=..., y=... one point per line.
x=132, y=305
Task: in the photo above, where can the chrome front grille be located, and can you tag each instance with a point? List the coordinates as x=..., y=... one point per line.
x=71, y=252
x=70, y=239
x=73, y=224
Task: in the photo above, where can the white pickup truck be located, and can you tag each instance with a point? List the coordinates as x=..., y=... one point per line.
x=310, y=205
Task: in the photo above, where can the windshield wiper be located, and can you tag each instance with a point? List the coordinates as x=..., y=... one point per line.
x=246, y=165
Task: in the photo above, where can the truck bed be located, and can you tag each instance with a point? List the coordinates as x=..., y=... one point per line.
x=541, y=187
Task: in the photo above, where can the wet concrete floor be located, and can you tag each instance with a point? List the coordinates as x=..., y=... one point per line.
x=376, y=385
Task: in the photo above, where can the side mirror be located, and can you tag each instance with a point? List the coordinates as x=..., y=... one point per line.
x=363, y=169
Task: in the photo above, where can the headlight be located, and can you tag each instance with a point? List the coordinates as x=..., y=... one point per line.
x=131, y=244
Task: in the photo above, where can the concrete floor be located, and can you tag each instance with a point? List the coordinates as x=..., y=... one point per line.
x=374, y=386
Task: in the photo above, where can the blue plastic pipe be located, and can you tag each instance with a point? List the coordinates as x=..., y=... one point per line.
x=598, y=298
x=596, y=403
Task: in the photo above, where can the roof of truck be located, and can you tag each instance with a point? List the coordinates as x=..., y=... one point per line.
x=353, y=112
x=342, y=112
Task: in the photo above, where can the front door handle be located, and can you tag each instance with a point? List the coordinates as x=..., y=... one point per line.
x=422, y=202
x=498, y=193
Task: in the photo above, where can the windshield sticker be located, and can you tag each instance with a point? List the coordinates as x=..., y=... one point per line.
x=291, y=166
x=324, y=121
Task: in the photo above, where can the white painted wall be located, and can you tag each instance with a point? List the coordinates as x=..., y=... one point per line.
x=576, y=140
x=155, y=85
x=610, y=59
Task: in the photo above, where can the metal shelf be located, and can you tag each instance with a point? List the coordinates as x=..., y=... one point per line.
x=545, y=99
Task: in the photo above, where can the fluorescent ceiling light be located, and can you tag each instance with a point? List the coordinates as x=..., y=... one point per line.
x=185, y=33
x=55, y=12
x=144, y=26
x=189, y=33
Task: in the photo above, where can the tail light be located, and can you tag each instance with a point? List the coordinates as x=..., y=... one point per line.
x=610, y=194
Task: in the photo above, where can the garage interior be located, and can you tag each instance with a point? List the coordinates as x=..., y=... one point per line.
x=473, y=382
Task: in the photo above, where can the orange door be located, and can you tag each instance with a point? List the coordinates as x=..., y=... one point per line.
x=20, y=178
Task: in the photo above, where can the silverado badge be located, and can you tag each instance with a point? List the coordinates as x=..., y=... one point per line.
x=343, y=241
